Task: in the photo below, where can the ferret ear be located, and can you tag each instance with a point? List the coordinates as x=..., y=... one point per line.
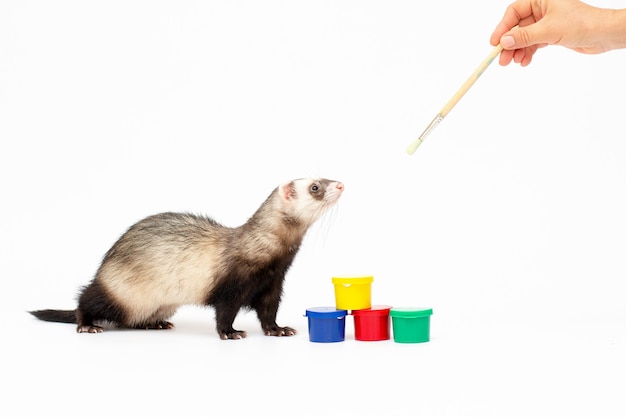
x=287, y=191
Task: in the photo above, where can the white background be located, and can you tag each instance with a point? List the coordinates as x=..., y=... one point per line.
x=508, y=221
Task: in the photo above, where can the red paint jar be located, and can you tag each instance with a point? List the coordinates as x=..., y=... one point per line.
x=372, y=323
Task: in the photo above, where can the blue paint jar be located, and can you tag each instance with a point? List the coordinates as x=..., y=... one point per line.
x=326, y=324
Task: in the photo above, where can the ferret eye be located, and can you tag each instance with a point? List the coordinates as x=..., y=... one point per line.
x=315, y=188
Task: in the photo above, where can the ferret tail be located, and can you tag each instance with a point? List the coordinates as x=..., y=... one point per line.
x=59, y=316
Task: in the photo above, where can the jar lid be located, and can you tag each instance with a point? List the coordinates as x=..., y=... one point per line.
x=375, y=310
x=325, y=312
x=353, y=279
x=410, y=312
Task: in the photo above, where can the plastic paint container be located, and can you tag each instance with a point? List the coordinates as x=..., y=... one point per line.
x=326, y=324
x=372, y=323
x=353, y=292
x=411, y=325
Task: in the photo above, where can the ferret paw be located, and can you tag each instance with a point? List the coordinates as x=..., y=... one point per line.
x=85, y=328
x=159, y=325
x=234, y=334
x=280, y=331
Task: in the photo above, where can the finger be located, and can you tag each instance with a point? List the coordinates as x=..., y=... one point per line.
x=520, y=10
x=506, y=57
x=519, y=55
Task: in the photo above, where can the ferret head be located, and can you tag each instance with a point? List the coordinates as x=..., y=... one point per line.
x=305, y=200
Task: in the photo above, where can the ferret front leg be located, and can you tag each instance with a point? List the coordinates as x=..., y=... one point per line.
x=266, y=312
x=276, y=330
x=225, y=316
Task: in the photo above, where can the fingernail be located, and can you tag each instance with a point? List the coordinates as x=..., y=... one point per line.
x=507, y=41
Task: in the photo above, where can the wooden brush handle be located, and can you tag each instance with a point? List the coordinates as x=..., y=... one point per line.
x=470, y=81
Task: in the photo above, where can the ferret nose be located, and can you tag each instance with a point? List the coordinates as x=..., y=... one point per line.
x=339, y=186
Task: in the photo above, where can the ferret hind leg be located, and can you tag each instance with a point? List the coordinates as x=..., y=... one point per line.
x=158, y=320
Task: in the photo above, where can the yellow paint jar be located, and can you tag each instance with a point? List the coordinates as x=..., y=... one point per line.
x=353, y=292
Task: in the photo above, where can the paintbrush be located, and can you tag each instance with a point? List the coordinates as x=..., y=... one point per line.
x=455, y=99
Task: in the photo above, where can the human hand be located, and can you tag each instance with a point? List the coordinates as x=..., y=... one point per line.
x=569, y=23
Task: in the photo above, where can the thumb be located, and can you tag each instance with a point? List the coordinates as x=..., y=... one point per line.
x=523, y=37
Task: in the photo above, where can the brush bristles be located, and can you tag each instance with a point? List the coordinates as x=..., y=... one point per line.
x=413, y=147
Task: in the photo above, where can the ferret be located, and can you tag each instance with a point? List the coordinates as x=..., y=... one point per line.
x=172, y=259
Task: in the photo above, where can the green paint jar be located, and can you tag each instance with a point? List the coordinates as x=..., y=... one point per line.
x=411, y=325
